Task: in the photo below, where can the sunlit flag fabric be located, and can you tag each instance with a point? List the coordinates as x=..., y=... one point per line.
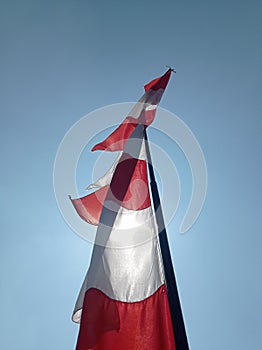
x=123, y=302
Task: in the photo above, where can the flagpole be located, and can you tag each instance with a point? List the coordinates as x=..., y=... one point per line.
x=173, y=296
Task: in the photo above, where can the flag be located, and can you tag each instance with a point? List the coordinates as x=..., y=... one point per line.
x=123, y=302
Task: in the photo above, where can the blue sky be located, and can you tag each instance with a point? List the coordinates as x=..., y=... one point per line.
x=61, y=60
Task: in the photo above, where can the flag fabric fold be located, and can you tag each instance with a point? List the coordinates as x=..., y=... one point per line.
x=136, y=197
x=123, y=301
x=142, y=113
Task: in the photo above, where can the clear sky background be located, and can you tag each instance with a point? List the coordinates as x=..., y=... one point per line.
x=63, y=59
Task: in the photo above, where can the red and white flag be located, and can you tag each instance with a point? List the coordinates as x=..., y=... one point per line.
x=123, y=302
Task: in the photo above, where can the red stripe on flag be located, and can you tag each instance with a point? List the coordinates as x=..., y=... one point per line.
x=116, y=141
x=136, y=197
x=107, y=324
x=159, y=83
x=89, y=207
x=133, y=194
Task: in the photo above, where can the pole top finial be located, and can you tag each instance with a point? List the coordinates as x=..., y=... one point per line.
x=172, y=69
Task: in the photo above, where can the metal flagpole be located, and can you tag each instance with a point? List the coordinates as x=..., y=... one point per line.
x=173, y=297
